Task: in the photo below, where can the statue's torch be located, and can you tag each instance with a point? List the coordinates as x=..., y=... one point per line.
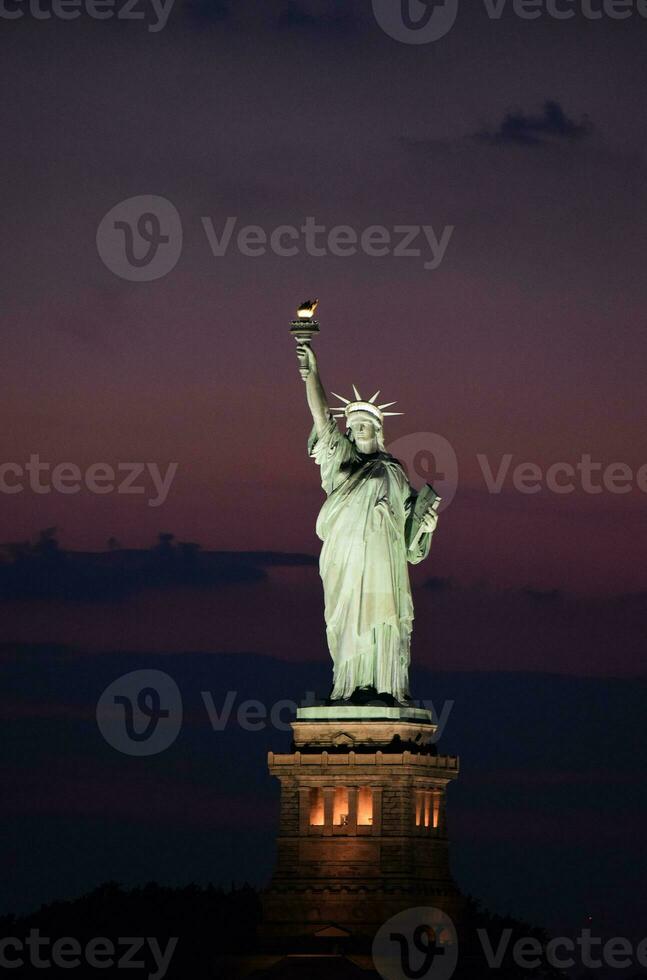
x=304, y=328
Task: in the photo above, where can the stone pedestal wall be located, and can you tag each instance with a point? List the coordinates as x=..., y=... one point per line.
x=363, y=830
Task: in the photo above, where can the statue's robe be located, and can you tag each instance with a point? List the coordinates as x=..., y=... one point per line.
x=365, y=531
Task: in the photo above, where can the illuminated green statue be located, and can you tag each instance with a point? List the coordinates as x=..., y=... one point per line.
x=372, y=524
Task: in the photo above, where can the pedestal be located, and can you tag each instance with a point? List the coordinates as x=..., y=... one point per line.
x=363, y=830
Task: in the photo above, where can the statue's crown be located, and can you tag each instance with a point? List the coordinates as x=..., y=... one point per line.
x=370, y=406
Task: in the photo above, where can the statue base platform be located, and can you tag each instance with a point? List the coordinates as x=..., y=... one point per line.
x=363, y=727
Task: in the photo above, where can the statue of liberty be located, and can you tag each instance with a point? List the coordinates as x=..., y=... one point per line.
x=371, y=524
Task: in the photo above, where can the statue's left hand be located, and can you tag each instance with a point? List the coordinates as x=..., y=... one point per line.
x=429, y=521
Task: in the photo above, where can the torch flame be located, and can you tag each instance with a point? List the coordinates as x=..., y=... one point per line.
x=307, y=309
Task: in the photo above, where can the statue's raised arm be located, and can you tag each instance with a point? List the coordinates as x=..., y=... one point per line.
x=315, y=393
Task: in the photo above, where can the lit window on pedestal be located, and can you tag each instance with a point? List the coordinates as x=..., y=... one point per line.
x=365, y=806
x=419, y=807
x=340, y=807
x=427, y=808
x=316, y=807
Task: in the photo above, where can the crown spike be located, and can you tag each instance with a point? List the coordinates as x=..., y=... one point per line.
x=348, y=407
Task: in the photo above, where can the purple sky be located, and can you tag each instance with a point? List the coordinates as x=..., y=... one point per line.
x=529, y=341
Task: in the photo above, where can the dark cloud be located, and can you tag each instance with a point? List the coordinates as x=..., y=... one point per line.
x=543, y=595
x=295, y=15
x=44, y=570
x=189, y=596
x=437, y=583
x=304, y=14
x=534, y=130
x=214, y=11
x=320, y=16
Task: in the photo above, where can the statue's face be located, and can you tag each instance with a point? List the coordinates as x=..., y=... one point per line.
x=364, y=432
